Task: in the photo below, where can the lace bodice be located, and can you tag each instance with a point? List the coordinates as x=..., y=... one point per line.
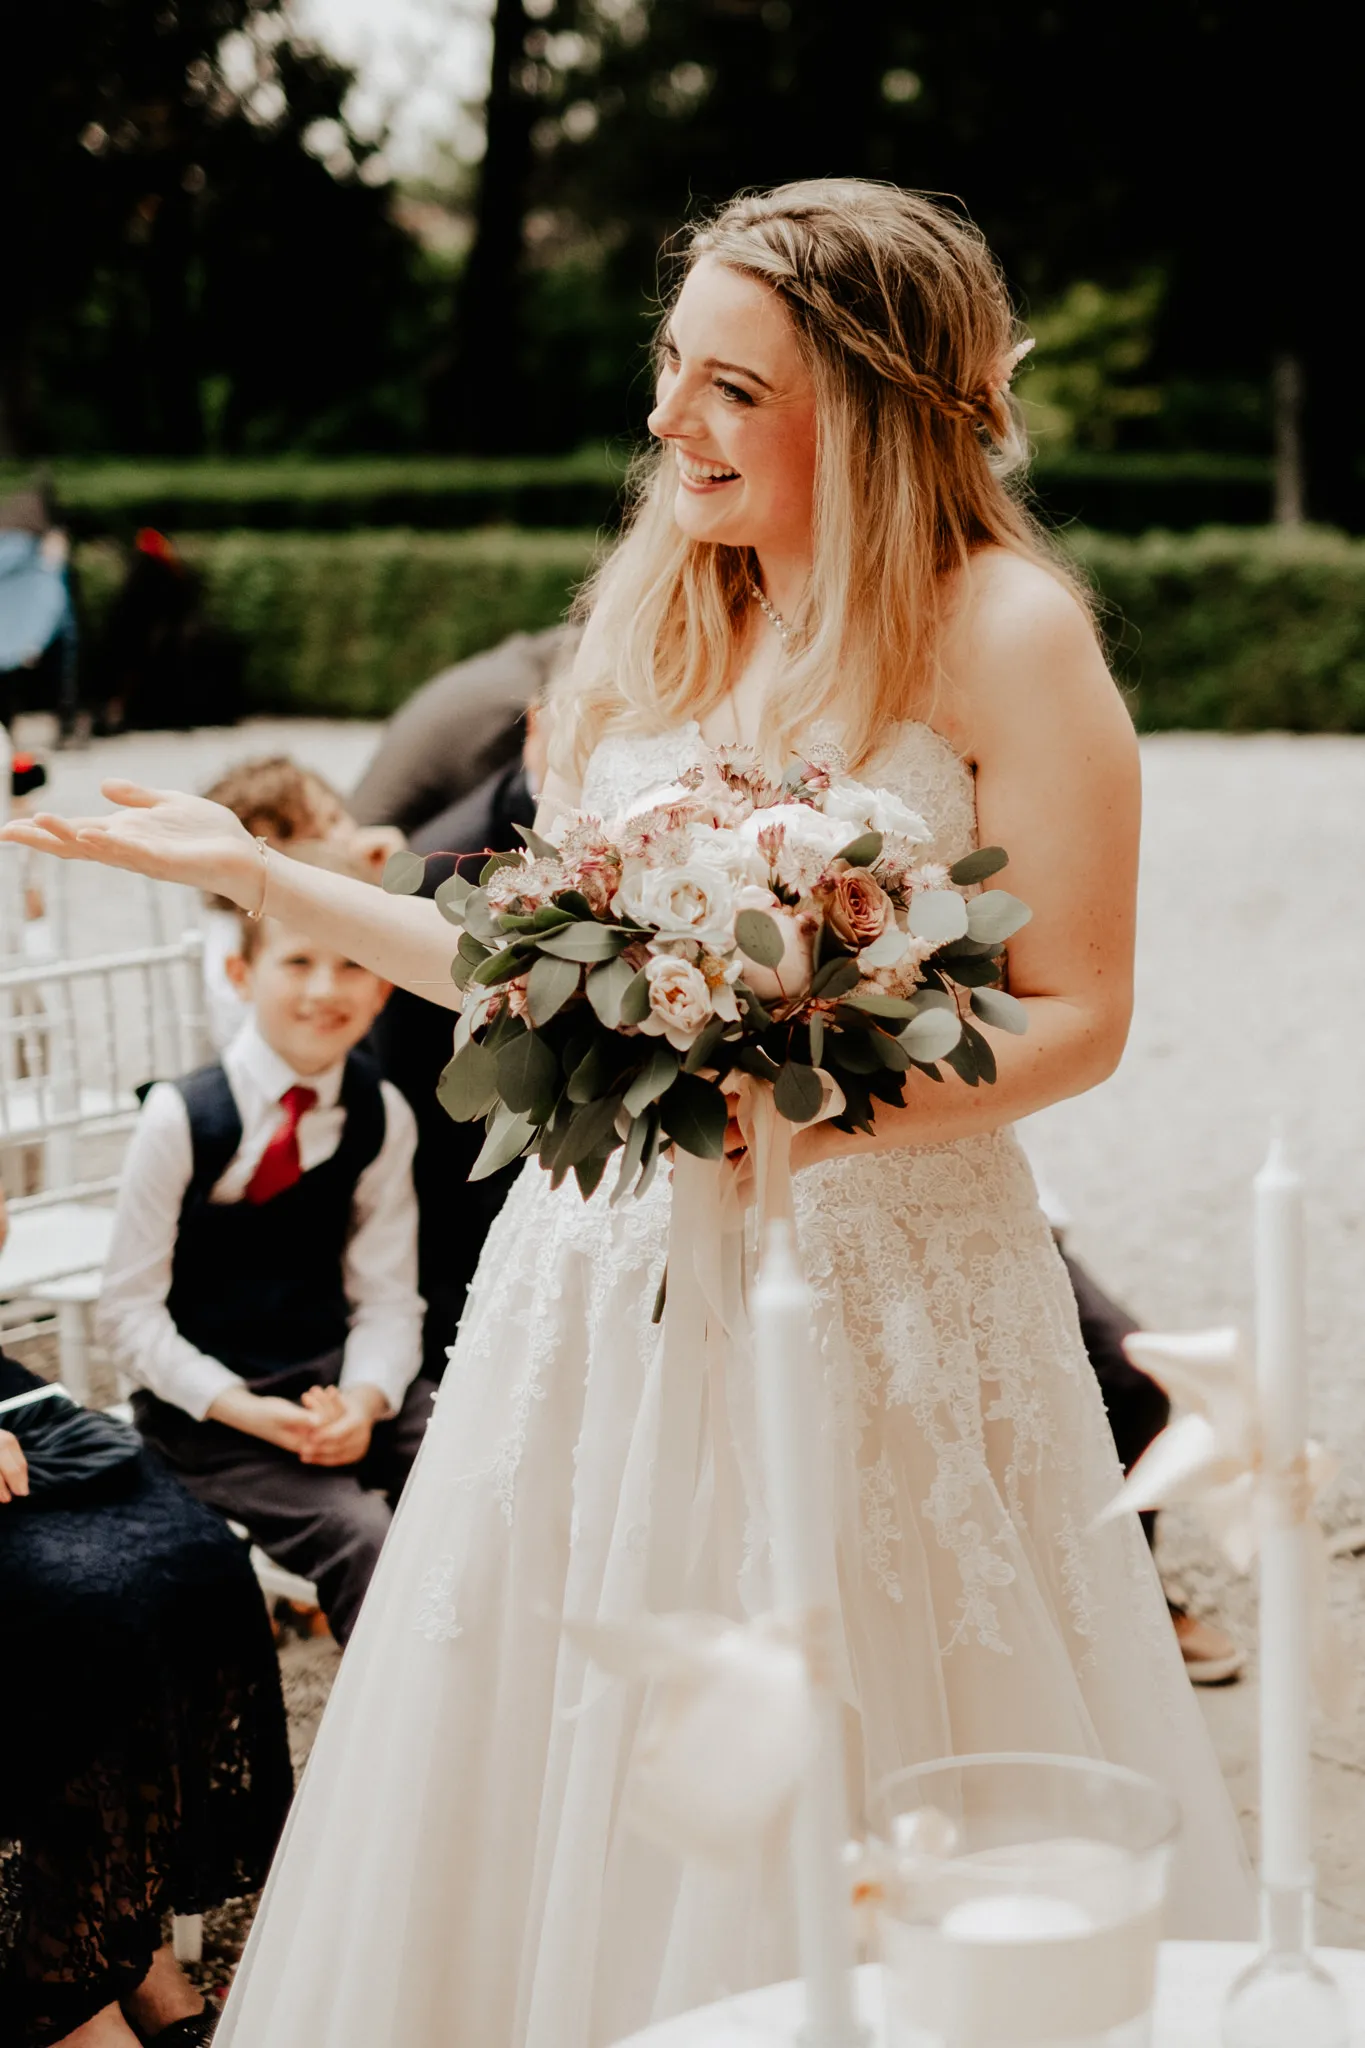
x=917, y=764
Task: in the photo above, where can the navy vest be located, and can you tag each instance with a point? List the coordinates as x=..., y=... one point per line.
x=258, y=1285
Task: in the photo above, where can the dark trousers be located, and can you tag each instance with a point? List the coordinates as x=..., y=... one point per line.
x=1137, y=1409
x=325, y=1522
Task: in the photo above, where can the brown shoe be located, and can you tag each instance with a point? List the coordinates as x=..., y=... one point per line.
x=1211, y=1656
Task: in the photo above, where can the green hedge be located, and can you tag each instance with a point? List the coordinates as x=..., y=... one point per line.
x=1118, y=493
x=347, y=625
x=1228, y=629
x=1234, y=630
x=441, y=494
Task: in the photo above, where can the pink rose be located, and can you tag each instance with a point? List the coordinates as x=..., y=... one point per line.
x=857, y=908
x=679, y=1000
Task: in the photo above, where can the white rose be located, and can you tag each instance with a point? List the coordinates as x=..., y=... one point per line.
x=804, y=826
x=735, y=852
x=693, y=901
x=874, y=810
x=679, y=1000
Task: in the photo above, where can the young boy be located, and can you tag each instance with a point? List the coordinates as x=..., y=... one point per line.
x=261, y=1285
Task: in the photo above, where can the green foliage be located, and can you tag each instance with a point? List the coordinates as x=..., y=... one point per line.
x=1085, y=380
x=348, y=625
x=437, y=493
x=1235, y=631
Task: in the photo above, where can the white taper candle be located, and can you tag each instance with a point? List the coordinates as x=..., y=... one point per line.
x=1282, y=1387
x=789, y=1421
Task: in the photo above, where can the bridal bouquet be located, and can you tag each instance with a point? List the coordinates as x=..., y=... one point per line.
x=792, y=931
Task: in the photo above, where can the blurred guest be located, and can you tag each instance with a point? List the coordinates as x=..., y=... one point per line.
x=162, y=662
x=38, y=641
x=1138, y=1411
x=284, y=804
x=144, y=1765
x=458, y=729
x=413, y=1042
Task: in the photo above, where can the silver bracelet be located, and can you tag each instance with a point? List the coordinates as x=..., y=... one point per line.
x=263, y=848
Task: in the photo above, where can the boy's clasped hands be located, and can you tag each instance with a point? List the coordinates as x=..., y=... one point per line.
x=325, y=1426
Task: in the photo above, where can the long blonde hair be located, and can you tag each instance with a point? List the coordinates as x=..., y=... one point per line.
x=904, y=321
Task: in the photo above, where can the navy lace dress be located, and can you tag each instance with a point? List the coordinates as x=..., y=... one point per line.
x=144, y=1765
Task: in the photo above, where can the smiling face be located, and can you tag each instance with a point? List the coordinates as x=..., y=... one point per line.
x=312, y=1005
x=736, y=405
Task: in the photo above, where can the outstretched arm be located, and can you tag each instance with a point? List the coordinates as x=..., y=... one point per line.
x=176, y=838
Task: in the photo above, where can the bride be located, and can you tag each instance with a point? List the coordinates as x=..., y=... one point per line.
x=822, y=555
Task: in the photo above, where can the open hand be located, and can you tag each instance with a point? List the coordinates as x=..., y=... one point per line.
x=13, y=1468
x=157, y=832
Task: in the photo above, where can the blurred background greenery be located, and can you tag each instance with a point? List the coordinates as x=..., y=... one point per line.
x=226, y=316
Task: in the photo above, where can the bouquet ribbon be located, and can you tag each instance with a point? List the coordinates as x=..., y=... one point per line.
x=1211, y=1455
x=730, y=1724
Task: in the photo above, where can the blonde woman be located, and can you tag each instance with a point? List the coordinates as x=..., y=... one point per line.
x=822, y=553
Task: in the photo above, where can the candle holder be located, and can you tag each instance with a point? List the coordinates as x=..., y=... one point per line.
x=1285, y=1999
x=1021, y=1902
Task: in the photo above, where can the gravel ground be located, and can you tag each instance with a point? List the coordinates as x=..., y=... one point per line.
x=1251, y=987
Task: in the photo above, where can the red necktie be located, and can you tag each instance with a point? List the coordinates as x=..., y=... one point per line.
x=280, y=1166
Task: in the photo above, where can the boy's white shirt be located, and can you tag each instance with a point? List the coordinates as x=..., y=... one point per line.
x=379, y=1264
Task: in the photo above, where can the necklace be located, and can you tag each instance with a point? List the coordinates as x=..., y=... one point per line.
x=772, y=615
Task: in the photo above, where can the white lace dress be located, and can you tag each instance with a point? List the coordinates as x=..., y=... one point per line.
x=456, y=1872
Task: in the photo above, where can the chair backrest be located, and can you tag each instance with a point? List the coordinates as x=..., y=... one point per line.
x=77, y=1040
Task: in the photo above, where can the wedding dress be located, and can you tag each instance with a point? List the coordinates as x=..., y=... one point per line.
x=458, y=1871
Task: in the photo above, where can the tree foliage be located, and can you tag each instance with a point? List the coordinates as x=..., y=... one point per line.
x=195, y=254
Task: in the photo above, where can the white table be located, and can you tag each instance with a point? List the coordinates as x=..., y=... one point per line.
x=1192, y=1980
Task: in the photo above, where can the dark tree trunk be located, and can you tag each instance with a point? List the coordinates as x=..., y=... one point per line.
x=476, y=406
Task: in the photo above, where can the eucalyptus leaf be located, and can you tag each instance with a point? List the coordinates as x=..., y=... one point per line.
x=962, y=1060
x=550, y=917
x=592, y=1125
x=635, y=999
x=835, y=978
x=496, y=861
x=759, y=938
x=471, y=949
x=606, y=987
x=588, y=1172
x=508, y=1137
x=650, y=1163
x=983, y=1052
x=816, y=1031
x=549, y=986
x=862, y=851
x=971, y=970
x=932, y=1034
x=995, y=916
x=1003, y=1012
x=797, y=1092
x=632, y=1153
x=877, y=1005
x=404, y=873
x=699, y=1053
x=933, y=999
x=885, y=951
x=695, y=1113
x=461, y=969
x=595, y=1073
x=541, y=848
x=479, y=919
x=657, y=1074
x=528, y=1076
x=468, y=1086
x=501, y=966
x=577, y=905
x=891, y=1053
x=938, y=915
x=978, y=866
x=451, y=897
x=753, y=1060
x=756, y=1015
x=584, y=942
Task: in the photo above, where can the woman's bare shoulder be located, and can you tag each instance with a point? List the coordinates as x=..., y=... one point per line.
x=1021, y=645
